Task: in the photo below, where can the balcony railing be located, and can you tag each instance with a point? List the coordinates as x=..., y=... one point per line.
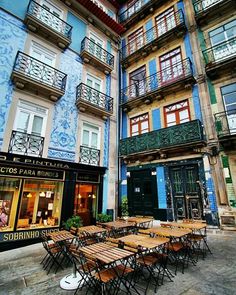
x=47, y=18
x=203, y=5
x=174, y=136
x=165, y=25
x=26, y=144
x=159, y=80
x=220, y=52
x=94, y=97
x=97, y=51
x=131, y=10
x=89, y=156
x=226, y=123
x=38, y=71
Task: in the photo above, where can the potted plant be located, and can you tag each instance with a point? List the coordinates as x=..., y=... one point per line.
x=74, y=221
x=124, y=207
x=104, y=217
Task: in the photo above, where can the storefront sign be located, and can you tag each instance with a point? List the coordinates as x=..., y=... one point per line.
x=24, y=235
x=9, y=170
x=88, y=177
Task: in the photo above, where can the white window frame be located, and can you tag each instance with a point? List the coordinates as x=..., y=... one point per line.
x=25, y=106
x=91, y=130
x=53, y=5
x=94, y=77
x=44, y=50
x=96, y=37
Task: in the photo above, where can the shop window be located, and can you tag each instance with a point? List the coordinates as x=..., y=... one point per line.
x=139, y=125
x=177, y=113
x=9, y=192
x=40, y=204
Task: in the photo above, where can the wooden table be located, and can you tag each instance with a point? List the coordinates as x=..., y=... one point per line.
x=112, y=255
x=192, y=226
x=118, y=224
x=145, y=242
x=169, y=232
x=139, y=221
x=95, y=248
x=61, y=236
x=92, y=230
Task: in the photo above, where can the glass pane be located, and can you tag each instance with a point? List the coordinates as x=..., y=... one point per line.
x=97, y=86
x=230, y=98
x=171, y=118
x=40, y=204
x=134, y=128
x=89, y=82
x=37, y=125
x=9, y=193
x=23, y=122
x=183, y=115
x=144, y=125
x=218, y=38
x=94, y=140
x=85, y=140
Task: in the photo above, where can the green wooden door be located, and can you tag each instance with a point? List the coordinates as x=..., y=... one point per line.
x=142, y=193
x=186, y=194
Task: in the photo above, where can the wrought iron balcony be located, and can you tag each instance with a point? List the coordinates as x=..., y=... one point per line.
x=168, y=27
x=88, y=98
x=89, y=156
x=92, y=52
x=226, y=123
x=39, y=19
x=205, y=8
x=189, y=133
x=140, y=8
x=220, y=56
x=38, y=77
x=26, y=144
x=162, y=81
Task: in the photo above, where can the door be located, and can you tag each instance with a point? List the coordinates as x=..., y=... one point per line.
x=187, y=201
x=165, y=21
x=135, y=41
x=171, y=66
x=94, y=97
x=85, y=202
x=142, y=193
x=96, y=46
x=137, y=82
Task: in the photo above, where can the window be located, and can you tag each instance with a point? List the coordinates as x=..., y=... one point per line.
x=46, y=18
x=177, y=113
x=171, y=66
x=96, y=46
x=165, y=21
x=43, y=54
x=135, y=41
x=207, y=3
x=91, y=136
x=133, y=7
x=229, y=98
x=137, y=82
x=29, y=129
x=139, y=125
x=223, y=41
x=40, y=204
x=95, y=97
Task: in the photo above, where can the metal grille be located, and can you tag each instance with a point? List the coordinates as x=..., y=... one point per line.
x=155, y=32
x=167, y=76
x=221, y=51
x=203, y=5
x=26, y=144
x=97, y=51
x=226, y=123
x=189, y=132
x=49, y=19
x=95, y=97
x=89, y=156
x=39, y=71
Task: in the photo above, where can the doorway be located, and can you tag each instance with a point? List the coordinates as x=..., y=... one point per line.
x=85, y=202
x=186, y=193
x=142, y=193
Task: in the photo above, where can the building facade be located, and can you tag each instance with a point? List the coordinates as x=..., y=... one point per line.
x=169, y=152
x=58, y=110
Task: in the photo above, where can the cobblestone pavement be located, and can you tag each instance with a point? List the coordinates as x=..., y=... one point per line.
x=21, y=272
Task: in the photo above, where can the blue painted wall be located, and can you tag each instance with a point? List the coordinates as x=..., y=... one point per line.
x=78, y=31
x=161, y=188
x=123, y=186
x=149, y=34
x=17, y=7
x=12, y=38
x=211, y=192
x=152, y=70
x=156, y=119
x=196, y=102
x=64, y=130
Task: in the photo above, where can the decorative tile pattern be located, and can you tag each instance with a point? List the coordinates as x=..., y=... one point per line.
x=65, y=120
x=12, y=39
x=107, y=127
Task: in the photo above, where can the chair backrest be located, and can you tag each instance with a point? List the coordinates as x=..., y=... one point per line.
x=73, y=230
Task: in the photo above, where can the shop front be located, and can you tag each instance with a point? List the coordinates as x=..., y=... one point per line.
x=37, y=195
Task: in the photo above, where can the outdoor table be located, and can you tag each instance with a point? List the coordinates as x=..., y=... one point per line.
x=94, y=248
x=169, y=232
x=140, y=221
x=93, y=231
x=117, y=226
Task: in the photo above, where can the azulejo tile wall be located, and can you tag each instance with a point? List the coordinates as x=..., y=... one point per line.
x=65, y=119
x=12, y=39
